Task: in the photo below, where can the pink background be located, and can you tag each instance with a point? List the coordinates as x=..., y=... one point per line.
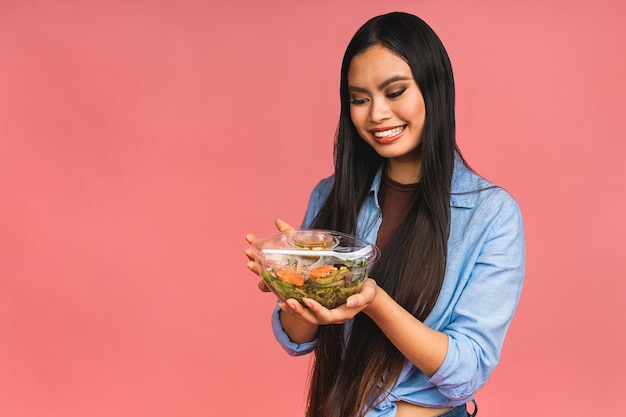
x=141, y=140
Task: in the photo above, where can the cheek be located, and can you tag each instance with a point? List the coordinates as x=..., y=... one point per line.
x=412, y=111
x=420, y=110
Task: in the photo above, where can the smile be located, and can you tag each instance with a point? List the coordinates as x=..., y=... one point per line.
x=389, y=133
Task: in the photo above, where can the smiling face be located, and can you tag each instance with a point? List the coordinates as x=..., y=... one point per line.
x=387, y=109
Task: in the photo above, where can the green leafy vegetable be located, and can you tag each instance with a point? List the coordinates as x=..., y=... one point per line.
x=330, y=291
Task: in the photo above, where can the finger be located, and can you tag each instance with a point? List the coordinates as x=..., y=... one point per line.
x=355, y=301
x=250, y=254
x=294, y=308
x=365, y=295
x=263, y=287
x=253, y=266
x=251, y=238
x=319, y=313
x=337, y=315
x=283, y=226
x=291, y=307
x=282, y=305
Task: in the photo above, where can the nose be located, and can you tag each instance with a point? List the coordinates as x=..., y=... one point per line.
x=379, y=111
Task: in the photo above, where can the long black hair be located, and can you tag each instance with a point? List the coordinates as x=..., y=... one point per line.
x=348, y=378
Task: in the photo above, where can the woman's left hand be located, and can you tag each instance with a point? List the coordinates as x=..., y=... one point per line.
x=317, y=314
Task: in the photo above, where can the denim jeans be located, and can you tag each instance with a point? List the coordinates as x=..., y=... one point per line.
x=460, y=411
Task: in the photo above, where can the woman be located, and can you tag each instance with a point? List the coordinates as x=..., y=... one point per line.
x=425, y=332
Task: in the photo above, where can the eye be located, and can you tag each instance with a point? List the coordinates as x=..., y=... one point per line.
x=396, y=93
x=358, y=101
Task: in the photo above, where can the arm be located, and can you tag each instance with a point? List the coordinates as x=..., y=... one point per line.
x=295, y=335
x=483, y=312
x=424, y=347
x=488, y=277
x=297, y=330
x=460, y=356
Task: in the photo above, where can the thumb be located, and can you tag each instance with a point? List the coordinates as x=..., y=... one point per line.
x=283, y=226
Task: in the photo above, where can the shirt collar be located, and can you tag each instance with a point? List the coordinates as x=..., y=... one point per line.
x=376, y=184
x=464, y=181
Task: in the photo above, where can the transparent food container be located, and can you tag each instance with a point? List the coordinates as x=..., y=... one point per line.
x=322, y=265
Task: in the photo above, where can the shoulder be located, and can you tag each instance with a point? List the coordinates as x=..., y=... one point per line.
x=470, y=190
x=318, y=196
x=321, y=191
x=323, y=187
x=481, y=209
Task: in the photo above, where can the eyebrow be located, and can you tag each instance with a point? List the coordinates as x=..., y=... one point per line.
x=381, y=85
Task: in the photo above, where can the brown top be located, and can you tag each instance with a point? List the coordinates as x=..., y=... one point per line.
x=395, y=200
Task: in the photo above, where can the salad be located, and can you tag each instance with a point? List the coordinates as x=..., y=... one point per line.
x=330, y=285
x=322, y=265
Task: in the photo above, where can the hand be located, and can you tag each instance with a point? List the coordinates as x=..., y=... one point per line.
x=317, y=314
x=283, y=227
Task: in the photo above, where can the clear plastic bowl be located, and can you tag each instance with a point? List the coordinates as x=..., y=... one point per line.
x=323, y=265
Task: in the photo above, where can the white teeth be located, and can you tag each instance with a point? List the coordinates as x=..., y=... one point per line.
x=389, y=133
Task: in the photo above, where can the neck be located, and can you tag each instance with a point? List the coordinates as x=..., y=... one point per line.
x=404, y=172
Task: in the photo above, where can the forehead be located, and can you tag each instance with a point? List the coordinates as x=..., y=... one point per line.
x=376, y=64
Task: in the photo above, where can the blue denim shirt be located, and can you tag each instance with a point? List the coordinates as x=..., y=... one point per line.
x=481, y=289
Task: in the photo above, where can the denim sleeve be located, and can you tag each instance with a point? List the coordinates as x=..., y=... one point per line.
x=484, y=310
x=292, y=348
x=317, y=199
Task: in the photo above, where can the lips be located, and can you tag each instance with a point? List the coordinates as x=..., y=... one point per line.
x=387, y=135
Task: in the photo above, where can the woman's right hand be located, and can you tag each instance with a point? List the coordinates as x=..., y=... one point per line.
x=298, y=330
x=315, y=313
x=252, y=265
